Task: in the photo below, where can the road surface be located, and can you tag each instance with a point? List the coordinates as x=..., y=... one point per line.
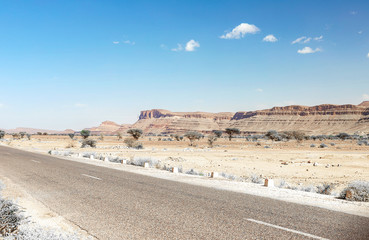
x=113, y=204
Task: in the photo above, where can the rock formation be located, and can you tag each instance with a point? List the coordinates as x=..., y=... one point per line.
x=320, y=119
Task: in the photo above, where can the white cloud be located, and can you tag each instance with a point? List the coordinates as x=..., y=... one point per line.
x=353, y=12
x=178, y=49
x=365, y=97
x=1, y=105
x=259, y=90
x=298, y=40
x=116, y=42
x=240, y=31
x=306, y=50
x=191, y=45
x=367, y=55
x=80, y=105
x=270, y=38
x=129, y=42
x=305, y=39
x=360, y=32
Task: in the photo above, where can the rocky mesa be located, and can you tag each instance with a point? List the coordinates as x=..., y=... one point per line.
x=320, y=119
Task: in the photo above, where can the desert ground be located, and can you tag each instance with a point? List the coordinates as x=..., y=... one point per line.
x=296, y=163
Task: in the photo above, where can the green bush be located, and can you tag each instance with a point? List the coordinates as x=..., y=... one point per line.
x=231, y=132
x=85, y=133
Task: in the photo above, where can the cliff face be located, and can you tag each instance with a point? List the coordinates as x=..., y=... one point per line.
x=164, y=121
x=320, y=119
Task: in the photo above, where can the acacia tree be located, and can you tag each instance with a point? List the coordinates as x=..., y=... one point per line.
x=192, y=136
x=85, y=133
x=231, y=132
x=71, y=135
x=218, y=133
x=22, y=134
x=2, y=134
x=211, y=140
x=135, y=133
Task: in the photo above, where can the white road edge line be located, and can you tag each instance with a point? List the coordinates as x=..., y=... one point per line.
x=35, y=161
x=91, y=176
x=286, y=229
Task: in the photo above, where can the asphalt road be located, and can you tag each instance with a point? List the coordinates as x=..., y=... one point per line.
x=113, y=204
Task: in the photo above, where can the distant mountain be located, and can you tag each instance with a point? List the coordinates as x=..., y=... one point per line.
x=35, y=130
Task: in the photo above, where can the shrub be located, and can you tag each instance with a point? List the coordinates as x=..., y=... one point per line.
x=135, y=133
x=325, y=189
x=231, y=132
x=132, y=143
x=312, y=145
x=356, y=191
x=363, y=142
x=298, y=135
x=211, y=140
x=28, y=136
x=119, y=136
x=2, y=134
x=140, y=161
x=39, y=133
x=254, y=178
x=192, y=136
x=85, y=133
x=177, y=137
x=88, y=142
x=322, y=145
x=273, y=135
x=16, y=136
x=101, y=137
x=343, y=136
x=22, y=134
x=71, y=135
x=218, y=133
x=45, y=133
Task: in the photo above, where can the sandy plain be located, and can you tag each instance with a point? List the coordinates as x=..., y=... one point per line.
x=338, y=164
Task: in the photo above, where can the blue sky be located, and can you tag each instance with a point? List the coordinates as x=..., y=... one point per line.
x=73, y=64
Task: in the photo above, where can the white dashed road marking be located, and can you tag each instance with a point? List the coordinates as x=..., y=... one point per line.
x=35, y=161
x=91, y=176
x=286, y=229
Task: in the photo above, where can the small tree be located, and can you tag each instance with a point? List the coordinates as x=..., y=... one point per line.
x=192, y=136
x=231, y=132
x=177, y=137
x=45, y=133
x=135, y=133
x=22, y=134
x=28, y=136
x=119, y=135
x=39, y=133
x=218, y=133
x=71, y=135
x=101, y=137
x=85, y=133
x=2, y=134
x=211, y=140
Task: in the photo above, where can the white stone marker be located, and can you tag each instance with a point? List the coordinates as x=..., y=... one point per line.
x=214, y=174
x=91, y=156
x=124, y=161
x=269, y=183
x=174, y=170
x=106, y=159
x=146, y=165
